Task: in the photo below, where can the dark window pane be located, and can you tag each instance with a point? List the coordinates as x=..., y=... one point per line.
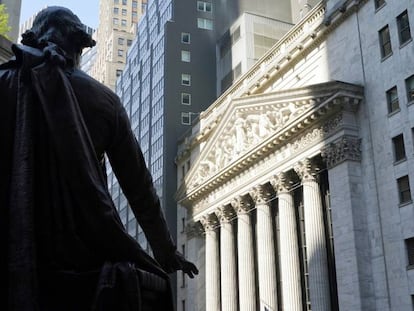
x=379, y=3
x=392, y=100
x=385, y=41
x=403, y=27
x=409, y=244
x=409, y=84
x=404, y=189
x=399, y=149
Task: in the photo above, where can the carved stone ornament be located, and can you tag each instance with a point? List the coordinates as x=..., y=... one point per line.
x=242, y=204
x=194, y=229
x=245, y=130
x=344, y=149
x=281, y=183
x=225, y=213
x=262, y=194
x=307, y=170
x=209, y=222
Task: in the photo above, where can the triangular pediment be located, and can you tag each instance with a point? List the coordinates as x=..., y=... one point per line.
x=250, y=121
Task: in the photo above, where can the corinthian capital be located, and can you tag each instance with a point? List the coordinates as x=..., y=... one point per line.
x=194, y=229
x=242, y=204
x=307, y=170
x=281, y=182
x=262, y=193
x=344, y=149
x=209, y=222
x=225, y=213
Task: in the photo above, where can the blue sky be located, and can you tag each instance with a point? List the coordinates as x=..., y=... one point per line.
x=86, y=10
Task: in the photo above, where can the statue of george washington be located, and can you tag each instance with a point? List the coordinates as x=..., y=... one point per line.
x=63, y=244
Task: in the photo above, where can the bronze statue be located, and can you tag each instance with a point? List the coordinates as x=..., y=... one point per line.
x=63, y=244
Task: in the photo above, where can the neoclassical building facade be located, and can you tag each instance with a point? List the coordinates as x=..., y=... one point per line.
x=293, y=194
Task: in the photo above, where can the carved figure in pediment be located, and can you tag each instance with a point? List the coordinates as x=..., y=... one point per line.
x=252, y=125
x=227, y=145
x=240, y=133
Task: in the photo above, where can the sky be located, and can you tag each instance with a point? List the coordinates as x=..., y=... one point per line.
x=86, y=10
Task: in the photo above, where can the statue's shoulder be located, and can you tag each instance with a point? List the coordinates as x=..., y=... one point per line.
x=90, y=87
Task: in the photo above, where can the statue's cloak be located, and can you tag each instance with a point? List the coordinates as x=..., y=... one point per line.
x=60, y=231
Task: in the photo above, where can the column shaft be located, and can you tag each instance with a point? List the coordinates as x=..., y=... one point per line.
x=289, y=254
x=212, y=268
x=228, y=260
x=315, y=238
x=247, y=281
x=266, y=256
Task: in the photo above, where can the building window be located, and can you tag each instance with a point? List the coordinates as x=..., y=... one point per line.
x=185, y=118
x=404, y=189
x=409, y=244
x=185, y=56
x=116, y=1
x=116, y=21
x=120, y=52
x=183, y=305
x=121, y=41
x=403, y=27
x=134, y=4
x=123, y=22
x=392, y=100
x=185, y=99
x=412, y=135
x=409, y=86
x=118, y=72
x=124, y=2
x=204, y=6
x=379, y=3
x=186, y=79
x=124, y=12
x=116, y=11
x=185, y=38
x=129, y=42
x=204, y=23
x=385, y=42
x=399, y=149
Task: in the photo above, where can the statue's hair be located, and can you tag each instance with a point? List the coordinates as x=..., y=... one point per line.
x=60, y=26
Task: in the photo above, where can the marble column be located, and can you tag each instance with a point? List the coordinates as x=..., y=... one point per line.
x=245, y=248
x=228, y=259
x=210, y=224
x=289, y=248
x=266, y=250
x=316, y=248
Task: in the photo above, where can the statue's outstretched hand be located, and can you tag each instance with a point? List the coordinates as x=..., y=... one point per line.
x=178, y=262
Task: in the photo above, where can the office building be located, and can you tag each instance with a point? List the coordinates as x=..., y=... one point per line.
x=299, y=196
x=116, y=30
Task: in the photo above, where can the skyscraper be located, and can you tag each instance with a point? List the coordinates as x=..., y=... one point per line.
x=116, y=30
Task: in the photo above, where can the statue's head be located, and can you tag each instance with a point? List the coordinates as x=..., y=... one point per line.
x=60, y=26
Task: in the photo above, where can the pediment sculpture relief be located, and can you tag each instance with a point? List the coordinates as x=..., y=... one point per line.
x=245, y=129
